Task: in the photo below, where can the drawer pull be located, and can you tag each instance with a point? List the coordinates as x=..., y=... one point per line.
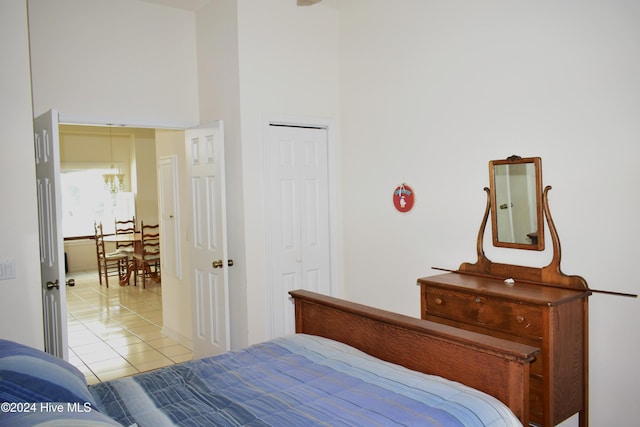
x=439, y=301
x=520, y=319
x=478, y=299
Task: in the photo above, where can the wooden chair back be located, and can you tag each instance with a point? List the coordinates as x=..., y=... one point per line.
x=99, y=238
x=150, y=237
x=148, y=260
x=109, y=264
x=127, y=226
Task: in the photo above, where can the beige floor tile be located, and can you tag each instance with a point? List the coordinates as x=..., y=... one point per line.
x=76, y=326
x=135, y=322
x=145, y=356
x=149, y=366
x=117, y=331
x=147, y=308
x=82, y=307
x=76, y=340
x=74, y=358
x=174, y=350
x=145, y=328
x=127, y=350
x=118, y=373
x=88, y=315
x=99, y=356
x=120, y=333
x=91, y=379
x=182, y=357
x=124, y=314
x=162, y=342
x=115, y=308
x=93, y=347
x=155, y=318
x=109, y=365
x=103, y=330
x=151, y=335
x=123, y=341
x=84, y=369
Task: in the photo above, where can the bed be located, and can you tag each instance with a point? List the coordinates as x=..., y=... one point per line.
x=347, y=365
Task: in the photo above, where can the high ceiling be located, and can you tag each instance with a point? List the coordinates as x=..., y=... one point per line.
x=194, y=5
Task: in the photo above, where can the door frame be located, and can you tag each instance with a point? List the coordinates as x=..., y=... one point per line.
x=330, y=126
x=72, y=119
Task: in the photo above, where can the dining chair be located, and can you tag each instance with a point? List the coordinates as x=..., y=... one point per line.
x=148, y=258
x=127, y=226
x=109, y=263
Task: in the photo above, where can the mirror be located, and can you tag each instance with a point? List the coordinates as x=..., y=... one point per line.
x=516, y=200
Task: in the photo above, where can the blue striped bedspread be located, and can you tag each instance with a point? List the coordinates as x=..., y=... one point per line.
x=299, y=380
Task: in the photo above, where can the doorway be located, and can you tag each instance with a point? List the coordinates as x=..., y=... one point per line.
x=122, y=328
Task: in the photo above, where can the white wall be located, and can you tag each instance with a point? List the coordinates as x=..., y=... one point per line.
x=257, y=58
x=425, y=92
x=432, y=90
x=123, y=69
x=218, y=80
x=146, y=183
x=20, y=301
x=119, y=60
x=288, y=66
x=123, y=62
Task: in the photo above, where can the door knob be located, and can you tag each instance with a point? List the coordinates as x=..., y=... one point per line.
x=219, y=264
x=51, y=285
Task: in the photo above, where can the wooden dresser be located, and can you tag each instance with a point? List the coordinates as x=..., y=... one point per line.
x=538, y=306
x=551, y=318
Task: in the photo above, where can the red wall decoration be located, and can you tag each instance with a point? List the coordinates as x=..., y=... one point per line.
x=403, y=198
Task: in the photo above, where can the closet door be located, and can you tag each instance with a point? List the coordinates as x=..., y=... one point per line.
x=298, y=219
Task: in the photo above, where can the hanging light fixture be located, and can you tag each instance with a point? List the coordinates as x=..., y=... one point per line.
x=114, y=180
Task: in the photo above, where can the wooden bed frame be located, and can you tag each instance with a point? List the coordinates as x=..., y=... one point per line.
x=495, y=366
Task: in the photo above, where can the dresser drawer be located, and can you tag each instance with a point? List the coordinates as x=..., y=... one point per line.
x=518, y=319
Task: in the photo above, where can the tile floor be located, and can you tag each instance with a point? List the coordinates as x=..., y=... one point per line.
x=117, y=331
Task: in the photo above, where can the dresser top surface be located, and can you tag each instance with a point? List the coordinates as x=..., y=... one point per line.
x=526, y=292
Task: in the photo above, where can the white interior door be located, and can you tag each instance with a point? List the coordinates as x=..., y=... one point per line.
x=47, y=157
x=208, y=241
x=299, y=225
x=169, y=217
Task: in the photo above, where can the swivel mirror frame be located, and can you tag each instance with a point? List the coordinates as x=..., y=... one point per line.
x=517, y=220
x=549, y=275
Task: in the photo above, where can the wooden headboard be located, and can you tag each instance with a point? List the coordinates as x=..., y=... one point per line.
x=495, y=366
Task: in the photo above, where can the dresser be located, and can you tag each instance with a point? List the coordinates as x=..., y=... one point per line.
x=538, y=306
x=551, y=318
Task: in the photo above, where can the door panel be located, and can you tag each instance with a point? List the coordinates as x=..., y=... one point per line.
x=47, y=158
x=208, y=241
x=298, y=211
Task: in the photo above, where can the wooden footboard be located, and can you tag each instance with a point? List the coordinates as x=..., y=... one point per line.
x=495, y=366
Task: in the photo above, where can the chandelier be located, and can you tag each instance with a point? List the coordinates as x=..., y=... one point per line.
x=114, y=180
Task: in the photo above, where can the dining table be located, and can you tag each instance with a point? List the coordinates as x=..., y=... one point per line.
x=136, y=238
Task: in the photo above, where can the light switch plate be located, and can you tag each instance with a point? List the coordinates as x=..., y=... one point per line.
x=7, y=269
